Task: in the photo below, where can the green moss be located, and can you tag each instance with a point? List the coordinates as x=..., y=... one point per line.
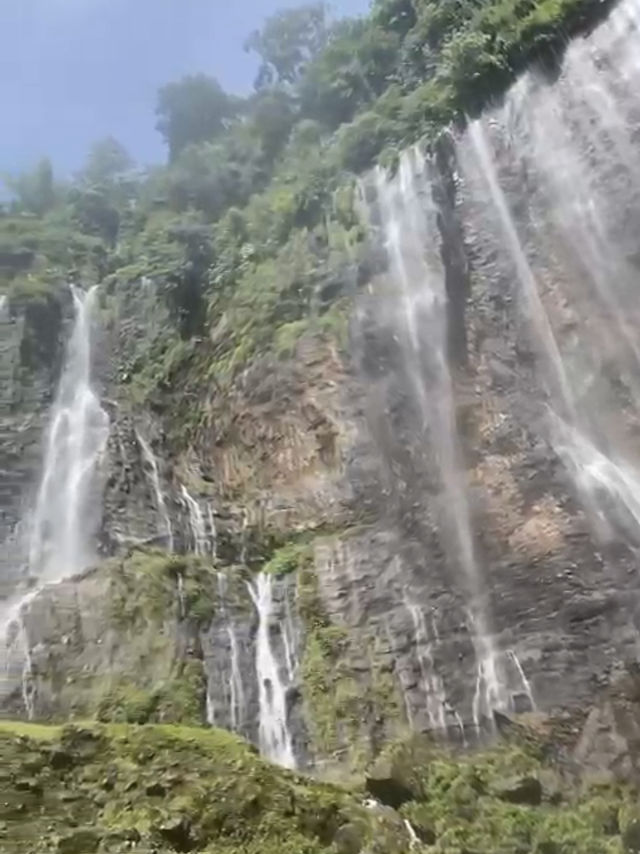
x=165, y=789
x=144, y=665
x=126, y=704
x=144, y=588
x=289, y=558
x=183, y=698
x=36, y=732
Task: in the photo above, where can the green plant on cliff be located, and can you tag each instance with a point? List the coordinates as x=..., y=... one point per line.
x=342, y=709
x=157, y=603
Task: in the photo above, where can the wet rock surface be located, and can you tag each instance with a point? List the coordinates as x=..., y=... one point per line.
x=327, y=453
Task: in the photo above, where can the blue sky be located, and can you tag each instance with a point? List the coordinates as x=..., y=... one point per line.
x=72, y=71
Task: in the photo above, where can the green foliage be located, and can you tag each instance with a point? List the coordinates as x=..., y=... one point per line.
x=34, y=192
x=108, y=161
x=126, y=704
x=169, y=788
x=359, y=142
x=177, y=700
x=356, y=66
x=289, y=558
x=272, y=114
x=241, y=234
x=192, y=110
x=212, y=176
x=338, y=705
x=288, y=41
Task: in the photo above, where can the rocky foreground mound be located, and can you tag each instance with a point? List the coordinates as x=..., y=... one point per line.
x=116, y=788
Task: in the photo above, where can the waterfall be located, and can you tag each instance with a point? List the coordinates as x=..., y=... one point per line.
x=432, y=684
x=414, y=840
x=159, y=496
x=203, y=540
x=68, y=505
x=274, y=735
x=572, y=148
x=235, y=687
x=408, y=217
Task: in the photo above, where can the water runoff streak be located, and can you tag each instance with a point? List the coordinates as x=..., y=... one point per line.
x=235, y=696
x=158, y=493
x=575, y=141
x=203, y=535
x=409, y=224
x=68, y=505
x=274, y=734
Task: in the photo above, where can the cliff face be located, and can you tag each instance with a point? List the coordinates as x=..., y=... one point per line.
x=443, y=502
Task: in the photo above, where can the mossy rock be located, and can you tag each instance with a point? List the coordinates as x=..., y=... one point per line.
x=630, y=826
x=170, y=788
x=81, y=841
x=399, y=775
x=519, y=790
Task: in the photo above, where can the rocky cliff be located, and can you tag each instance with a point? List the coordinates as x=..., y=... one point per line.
x=414, y=507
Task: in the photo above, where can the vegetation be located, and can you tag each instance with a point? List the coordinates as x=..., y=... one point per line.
x=143, y=664
x=508, y=799
x=241, y=229
x=87, y=788
x=164, y=789
x=250, y=240
x=339, y=703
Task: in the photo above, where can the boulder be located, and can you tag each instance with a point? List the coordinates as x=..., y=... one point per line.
x=84, y=840
x=519, y=790
x=386, y=785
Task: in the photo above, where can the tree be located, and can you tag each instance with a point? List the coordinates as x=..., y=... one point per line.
x=288, y=41
x=356, y=66
x=397, y=15
x=194, y=109
x=34, y=192
x=108, y=161
x=211, y=176
x=271, y=116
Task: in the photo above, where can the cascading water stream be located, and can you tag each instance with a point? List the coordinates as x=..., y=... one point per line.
x=203, y=537
x=274, y=734
x=161, y=506
x=158, y=493
x=575, y=142
x=409, y=223
x=68, y=506
x=235, y=688
x=432, y=685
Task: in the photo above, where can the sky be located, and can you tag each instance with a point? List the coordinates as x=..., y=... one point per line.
x=73, y=71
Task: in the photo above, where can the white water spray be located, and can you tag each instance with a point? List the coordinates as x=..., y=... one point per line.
x=69, y=503
x=609, y=487
x=409, y=222
x=235, y=687
x=203, y=538
x=158, y=493
x=274, y=735
x=432, y=685
x=68, y=506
